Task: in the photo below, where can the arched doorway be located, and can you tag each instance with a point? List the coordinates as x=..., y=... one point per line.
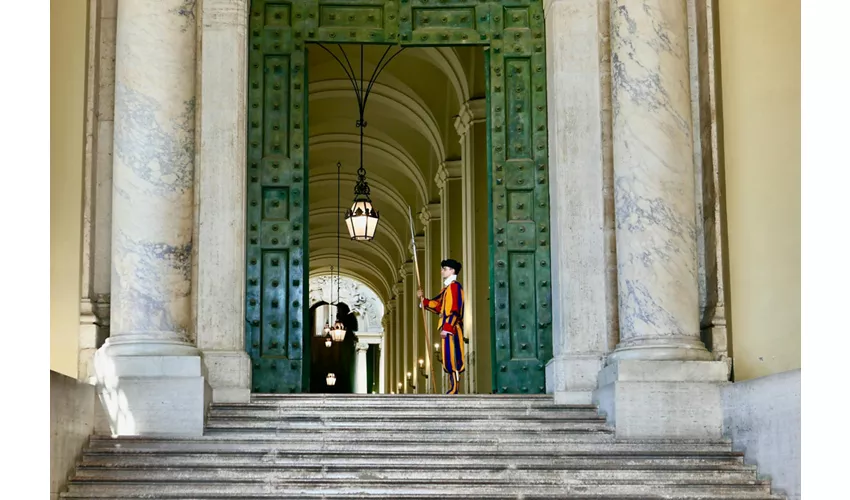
x=355, y=361
x=337, y=358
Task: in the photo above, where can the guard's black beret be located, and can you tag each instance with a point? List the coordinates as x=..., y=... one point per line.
x=452, y=264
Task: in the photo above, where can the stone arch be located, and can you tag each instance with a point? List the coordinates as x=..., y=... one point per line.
x=362, y=301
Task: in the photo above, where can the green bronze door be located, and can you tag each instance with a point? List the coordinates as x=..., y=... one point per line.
x=276, y=287
x=277, y=266
x=519, y=197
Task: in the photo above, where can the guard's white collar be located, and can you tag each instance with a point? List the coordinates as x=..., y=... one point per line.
x=448, y=280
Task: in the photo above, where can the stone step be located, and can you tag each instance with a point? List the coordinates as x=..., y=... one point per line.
x=416, y=461
x=507, y=398
x=347, y=488
x=471, y=426
x=414, y=436
x=604, y=444
x=390, y=474
x=254, y=411
x=364, y=401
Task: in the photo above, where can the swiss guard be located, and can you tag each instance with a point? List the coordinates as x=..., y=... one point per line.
x=449, y=306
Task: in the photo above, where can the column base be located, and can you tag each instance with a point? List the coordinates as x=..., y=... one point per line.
x=229, y=375
x=152, y=395
x=572, y=378
x=663, y=399
x=661, y=349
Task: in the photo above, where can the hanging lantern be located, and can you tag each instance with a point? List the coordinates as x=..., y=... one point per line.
x=328, y=341
x=362, y=218
x=331, y=379
x=338, y=332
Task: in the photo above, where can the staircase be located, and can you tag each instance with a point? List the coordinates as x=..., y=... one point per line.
x=410, y=447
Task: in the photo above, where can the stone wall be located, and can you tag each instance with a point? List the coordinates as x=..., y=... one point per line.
x=762, y=417
x=72, y=408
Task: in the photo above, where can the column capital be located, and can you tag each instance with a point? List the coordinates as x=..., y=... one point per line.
x=396, y=289
x=472, y=112
x=448, y=170
x=419, y=241
x=462, y=121
x=407, y=268
x=430, y=212
x=361, y=347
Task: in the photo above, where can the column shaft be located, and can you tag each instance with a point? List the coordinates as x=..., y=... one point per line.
x=408, y=330
x=360, y=374
x=220, y=192
x=584, y=278
x=654, y=182
x=659, y=382
x=150, y=355
x=153, y=177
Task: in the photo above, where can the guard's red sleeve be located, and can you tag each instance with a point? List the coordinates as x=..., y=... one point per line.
x=434, y=305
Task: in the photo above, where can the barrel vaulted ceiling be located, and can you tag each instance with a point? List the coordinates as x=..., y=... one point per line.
x=410, y=130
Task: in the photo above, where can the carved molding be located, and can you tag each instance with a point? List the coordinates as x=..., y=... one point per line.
x=361, y=300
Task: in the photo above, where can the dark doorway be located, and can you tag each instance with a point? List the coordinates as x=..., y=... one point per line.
x=338, y=358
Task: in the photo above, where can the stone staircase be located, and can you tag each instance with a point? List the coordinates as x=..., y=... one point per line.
x=410, y=447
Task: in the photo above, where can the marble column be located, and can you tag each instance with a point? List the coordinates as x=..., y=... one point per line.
x=360, y=378
x=584, y=282
x=449, y=182
x=382, y=374
x=417, y=326
x=658, y=382
x=400, y=330
x=654, y=188
x=220, y=191
x=408, y=331
x=429, y=216
x=97, y=187
x=387, y=368
x=149, y=357
x=473, y=114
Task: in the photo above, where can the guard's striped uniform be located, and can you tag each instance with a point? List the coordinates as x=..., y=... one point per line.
x=449, y=305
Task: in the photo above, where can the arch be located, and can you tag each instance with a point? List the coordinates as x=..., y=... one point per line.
x=360, y=298
x=388, y=229
x=353, y=274
x=376, y=250
x=353, y=260
x=418, y=115
x=382, y=149
x=447, y=61
x=392, y=195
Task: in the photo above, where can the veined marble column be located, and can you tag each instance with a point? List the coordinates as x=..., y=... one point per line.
x=658, y=382
x=148, y=357
x=654, y=191
x=360, y=375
